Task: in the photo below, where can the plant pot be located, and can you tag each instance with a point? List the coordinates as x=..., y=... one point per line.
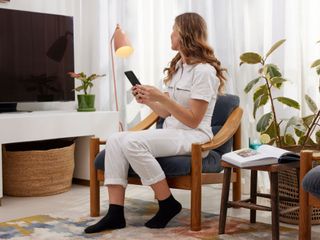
x=86, y=103
x=288, y=186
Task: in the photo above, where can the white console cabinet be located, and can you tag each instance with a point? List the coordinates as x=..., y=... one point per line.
x=43, y=125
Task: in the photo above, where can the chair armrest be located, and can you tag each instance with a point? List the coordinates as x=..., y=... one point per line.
x=226, y=132
x=145, y=123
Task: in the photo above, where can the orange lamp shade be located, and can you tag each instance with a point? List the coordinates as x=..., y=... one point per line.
x=122, y=46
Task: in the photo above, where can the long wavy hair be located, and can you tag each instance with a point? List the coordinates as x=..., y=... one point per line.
x=192, y=30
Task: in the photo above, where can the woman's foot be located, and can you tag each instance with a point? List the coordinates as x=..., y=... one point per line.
x=168, y=209
x=113, y=220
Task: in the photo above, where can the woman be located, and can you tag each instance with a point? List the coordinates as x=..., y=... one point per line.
x=193, y=82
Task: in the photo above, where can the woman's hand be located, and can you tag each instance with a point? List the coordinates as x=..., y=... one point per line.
x=146, y=94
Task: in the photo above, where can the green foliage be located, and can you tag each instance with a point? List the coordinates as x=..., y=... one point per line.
x=250, y=58
x=274, y=47
x=311, y=104
x=264, y=122
x=86, y=82
x=270, y=78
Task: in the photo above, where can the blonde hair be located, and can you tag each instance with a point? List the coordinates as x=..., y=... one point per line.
x=192, y=30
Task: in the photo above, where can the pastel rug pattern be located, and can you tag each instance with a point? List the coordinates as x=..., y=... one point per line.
x=137, y=212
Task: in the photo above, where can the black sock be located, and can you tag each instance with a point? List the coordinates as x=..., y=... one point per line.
x=113, y=220
x=168, y=208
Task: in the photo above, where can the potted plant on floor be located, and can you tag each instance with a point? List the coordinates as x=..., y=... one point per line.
x=86, y=100
x=273, y=130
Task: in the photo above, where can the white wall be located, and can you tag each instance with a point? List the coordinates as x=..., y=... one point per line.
x=62, y=7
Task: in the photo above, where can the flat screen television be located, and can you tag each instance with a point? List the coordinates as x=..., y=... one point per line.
x=36, y=52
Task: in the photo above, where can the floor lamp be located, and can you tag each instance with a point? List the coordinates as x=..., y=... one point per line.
x=122, y=48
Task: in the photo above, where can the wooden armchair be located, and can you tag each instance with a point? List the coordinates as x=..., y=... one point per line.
x=230, y=131
x=306, y=199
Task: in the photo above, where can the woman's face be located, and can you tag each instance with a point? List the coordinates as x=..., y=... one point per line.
x=175, y=39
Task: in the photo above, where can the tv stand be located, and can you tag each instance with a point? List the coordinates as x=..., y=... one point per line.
x=8, y=107
x=43, y=125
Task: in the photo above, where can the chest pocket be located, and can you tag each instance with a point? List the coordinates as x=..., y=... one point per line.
x=182, y=94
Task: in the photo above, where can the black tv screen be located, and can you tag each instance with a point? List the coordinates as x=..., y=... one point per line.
x=36, y=52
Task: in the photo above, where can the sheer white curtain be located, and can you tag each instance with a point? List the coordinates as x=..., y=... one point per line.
x=234, y=27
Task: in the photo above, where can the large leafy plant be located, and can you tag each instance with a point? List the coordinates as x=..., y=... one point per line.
x=269, y=125
x=269, y=78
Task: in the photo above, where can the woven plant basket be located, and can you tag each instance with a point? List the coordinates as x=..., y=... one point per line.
x=47, y=170
x=288, y=185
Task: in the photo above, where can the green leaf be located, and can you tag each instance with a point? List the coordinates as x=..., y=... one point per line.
x=277, y=81
x=315, y=63
x=297, y=124
x=263, y=89
x=78, y=89
x=260, y=101
x=309, y=141
x=318, y=136
x=250, y=58
x=264, y=122
x=272, y=70
x=318, y=70
x=274, y=47
x=289, y=140
x=299, y=133
x=251, y=84
x=289, y=102
x=311, y=104
x=308, y=119
x=271, y=131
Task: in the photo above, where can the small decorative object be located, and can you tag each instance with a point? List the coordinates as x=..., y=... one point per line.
x=86, y=100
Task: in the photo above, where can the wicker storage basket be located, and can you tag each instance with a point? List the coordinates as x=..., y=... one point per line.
x=289, y=187
x=38, y=168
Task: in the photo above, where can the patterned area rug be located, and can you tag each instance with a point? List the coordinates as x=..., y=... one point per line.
x=137, y=212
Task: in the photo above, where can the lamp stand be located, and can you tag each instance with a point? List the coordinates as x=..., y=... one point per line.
x=114, y=79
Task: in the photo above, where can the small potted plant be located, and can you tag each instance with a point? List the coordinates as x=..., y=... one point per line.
x=86, y=100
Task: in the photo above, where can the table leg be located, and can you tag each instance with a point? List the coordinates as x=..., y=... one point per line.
x=224, y=199
x=275, y=205
x=253, y=194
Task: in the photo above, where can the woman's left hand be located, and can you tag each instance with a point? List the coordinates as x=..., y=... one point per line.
x=149, y=93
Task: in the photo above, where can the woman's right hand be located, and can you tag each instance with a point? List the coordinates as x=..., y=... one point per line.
x=134, y=91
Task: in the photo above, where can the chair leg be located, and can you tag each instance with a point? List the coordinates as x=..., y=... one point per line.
x=253, y=195
x=224, y=199
x=94, y=183
x=196, y=210
x=305, y=209
x=196, y=169
x=275, y=205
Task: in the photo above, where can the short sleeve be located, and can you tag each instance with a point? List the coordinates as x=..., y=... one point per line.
x=205, y=84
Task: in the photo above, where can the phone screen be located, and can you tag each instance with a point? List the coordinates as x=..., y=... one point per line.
x=132, y=78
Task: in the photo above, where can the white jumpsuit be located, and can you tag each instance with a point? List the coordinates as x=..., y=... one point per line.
x=139, y=149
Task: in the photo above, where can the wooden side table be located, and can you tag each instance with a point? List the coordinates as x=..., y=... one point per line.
x=251, y=203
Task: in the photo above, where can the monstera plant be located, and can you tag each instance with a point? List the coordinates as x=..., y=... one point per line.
x=271, y=128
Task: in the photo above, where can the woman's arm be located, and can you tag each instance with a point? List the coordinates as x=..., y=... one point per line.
x=190, y=117
x=159, y=109
x=155, y=106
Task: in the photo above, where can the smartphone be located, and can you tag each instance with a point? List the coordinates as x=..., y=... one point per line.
x=132, y=78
